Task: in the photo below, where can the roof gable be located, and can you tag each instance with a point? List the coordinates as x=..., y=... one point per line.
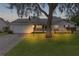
x=3, y=20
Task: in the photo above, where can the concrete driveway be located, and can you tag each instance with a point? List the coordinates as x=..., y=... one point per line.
x=7, y=42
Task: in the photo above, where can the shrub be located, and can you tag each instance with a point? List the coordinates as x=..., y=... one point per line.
x=6, y=29
x=10, y=32
x=76, y=20
x=0, y=31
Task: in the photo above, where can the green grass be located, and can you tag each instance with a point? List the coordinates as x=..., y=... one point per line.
x=3, y=33
x=38, y=45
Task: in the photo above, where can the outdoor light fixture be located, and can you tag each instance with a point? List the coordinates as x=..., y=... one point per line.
x=33, y=26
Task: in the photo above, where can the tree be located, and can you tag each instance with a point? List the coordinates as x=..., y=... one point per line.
x=75, y=19
x=49, y=23
x=71, y=9
x=23, y=9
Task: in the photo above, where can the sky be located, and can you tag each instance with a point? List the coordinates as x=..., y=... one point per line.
x=11, y=15
x=6, y=13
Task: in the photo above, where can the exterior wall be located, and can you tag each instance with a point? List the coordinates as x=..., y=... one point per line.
x=38, y=28
x=2, y=25
x=28, y=28
x=59, y=27
x=21, y=28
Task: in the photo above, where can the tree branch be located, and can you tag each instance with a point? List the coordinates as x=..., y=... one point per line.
x=41, y=9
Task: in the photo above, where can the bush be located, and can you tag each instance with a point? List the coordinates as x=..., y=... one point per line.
x=10, y=32
x=76, y=20
x=6, y=29
x=1, y=32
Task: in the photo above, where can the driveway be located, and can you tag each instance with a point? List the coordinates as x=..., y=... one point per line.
x=8, y=42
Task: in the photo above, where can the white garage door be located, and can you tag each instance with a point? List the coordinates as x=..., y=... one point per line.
x=22, y=28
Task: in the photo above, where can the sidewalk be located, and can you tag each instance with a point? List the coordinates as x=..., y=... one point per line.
x=8, y=42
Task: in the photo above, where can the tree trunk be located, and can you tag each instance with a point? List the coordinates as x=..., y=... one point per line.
x=49, y=29
x=49, y=23
x=52, y=6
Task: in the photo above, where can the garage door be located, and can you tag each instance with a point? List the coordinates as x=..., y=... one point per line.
x=22, y=28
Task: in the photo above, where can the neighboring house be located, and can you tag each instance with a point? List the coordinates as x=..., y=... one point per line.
x=38, y=25
x=3, y=24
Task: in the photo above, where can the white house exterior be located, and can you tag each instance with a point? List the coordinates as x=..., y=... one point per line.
x=27, y=26
x=21, y=26
x=3, y=24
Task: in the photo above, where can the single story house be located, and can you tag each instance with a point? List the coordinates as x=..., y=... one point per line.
x=3, y=24
x=38, y=25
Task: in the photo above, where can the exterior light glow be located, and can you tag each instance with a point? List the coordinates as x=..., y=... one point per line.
x=56, y=26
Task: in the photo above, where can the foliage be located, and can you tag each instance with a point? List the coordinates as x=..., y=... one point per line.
x=1, y=32
x=10, y=32
x=24, y=9
x=6, y=29
x=70, y=9
x=75, y=19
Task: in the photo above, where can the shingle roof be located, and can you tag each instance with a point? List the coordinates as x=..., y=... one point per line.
x=39, y=21
x=43, y=21
x=3, y=20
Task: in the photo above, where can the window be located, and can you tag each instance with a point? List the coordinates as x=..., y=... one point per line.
x=39, y=26
x=56, y=26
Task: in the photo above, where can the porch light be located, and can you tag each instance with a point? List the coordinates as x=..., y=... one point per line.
x=33, y=26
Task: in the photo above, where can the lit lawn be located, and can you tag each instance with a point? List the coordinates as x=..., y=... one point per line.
x=37, y=45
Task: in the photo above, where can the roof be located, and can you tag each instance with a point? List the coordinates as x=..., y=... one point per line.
x=21, y=21
x=43, y=21
x=39, y=21
x=3, y=20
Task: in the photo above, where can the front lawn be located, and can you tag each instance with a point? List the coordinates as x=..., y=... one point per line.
x=37, y=45
x=3, y=33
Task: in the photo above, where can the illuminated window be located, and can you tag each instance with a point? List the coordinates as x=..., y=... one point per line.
x=38, y=26
x=56, y=26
